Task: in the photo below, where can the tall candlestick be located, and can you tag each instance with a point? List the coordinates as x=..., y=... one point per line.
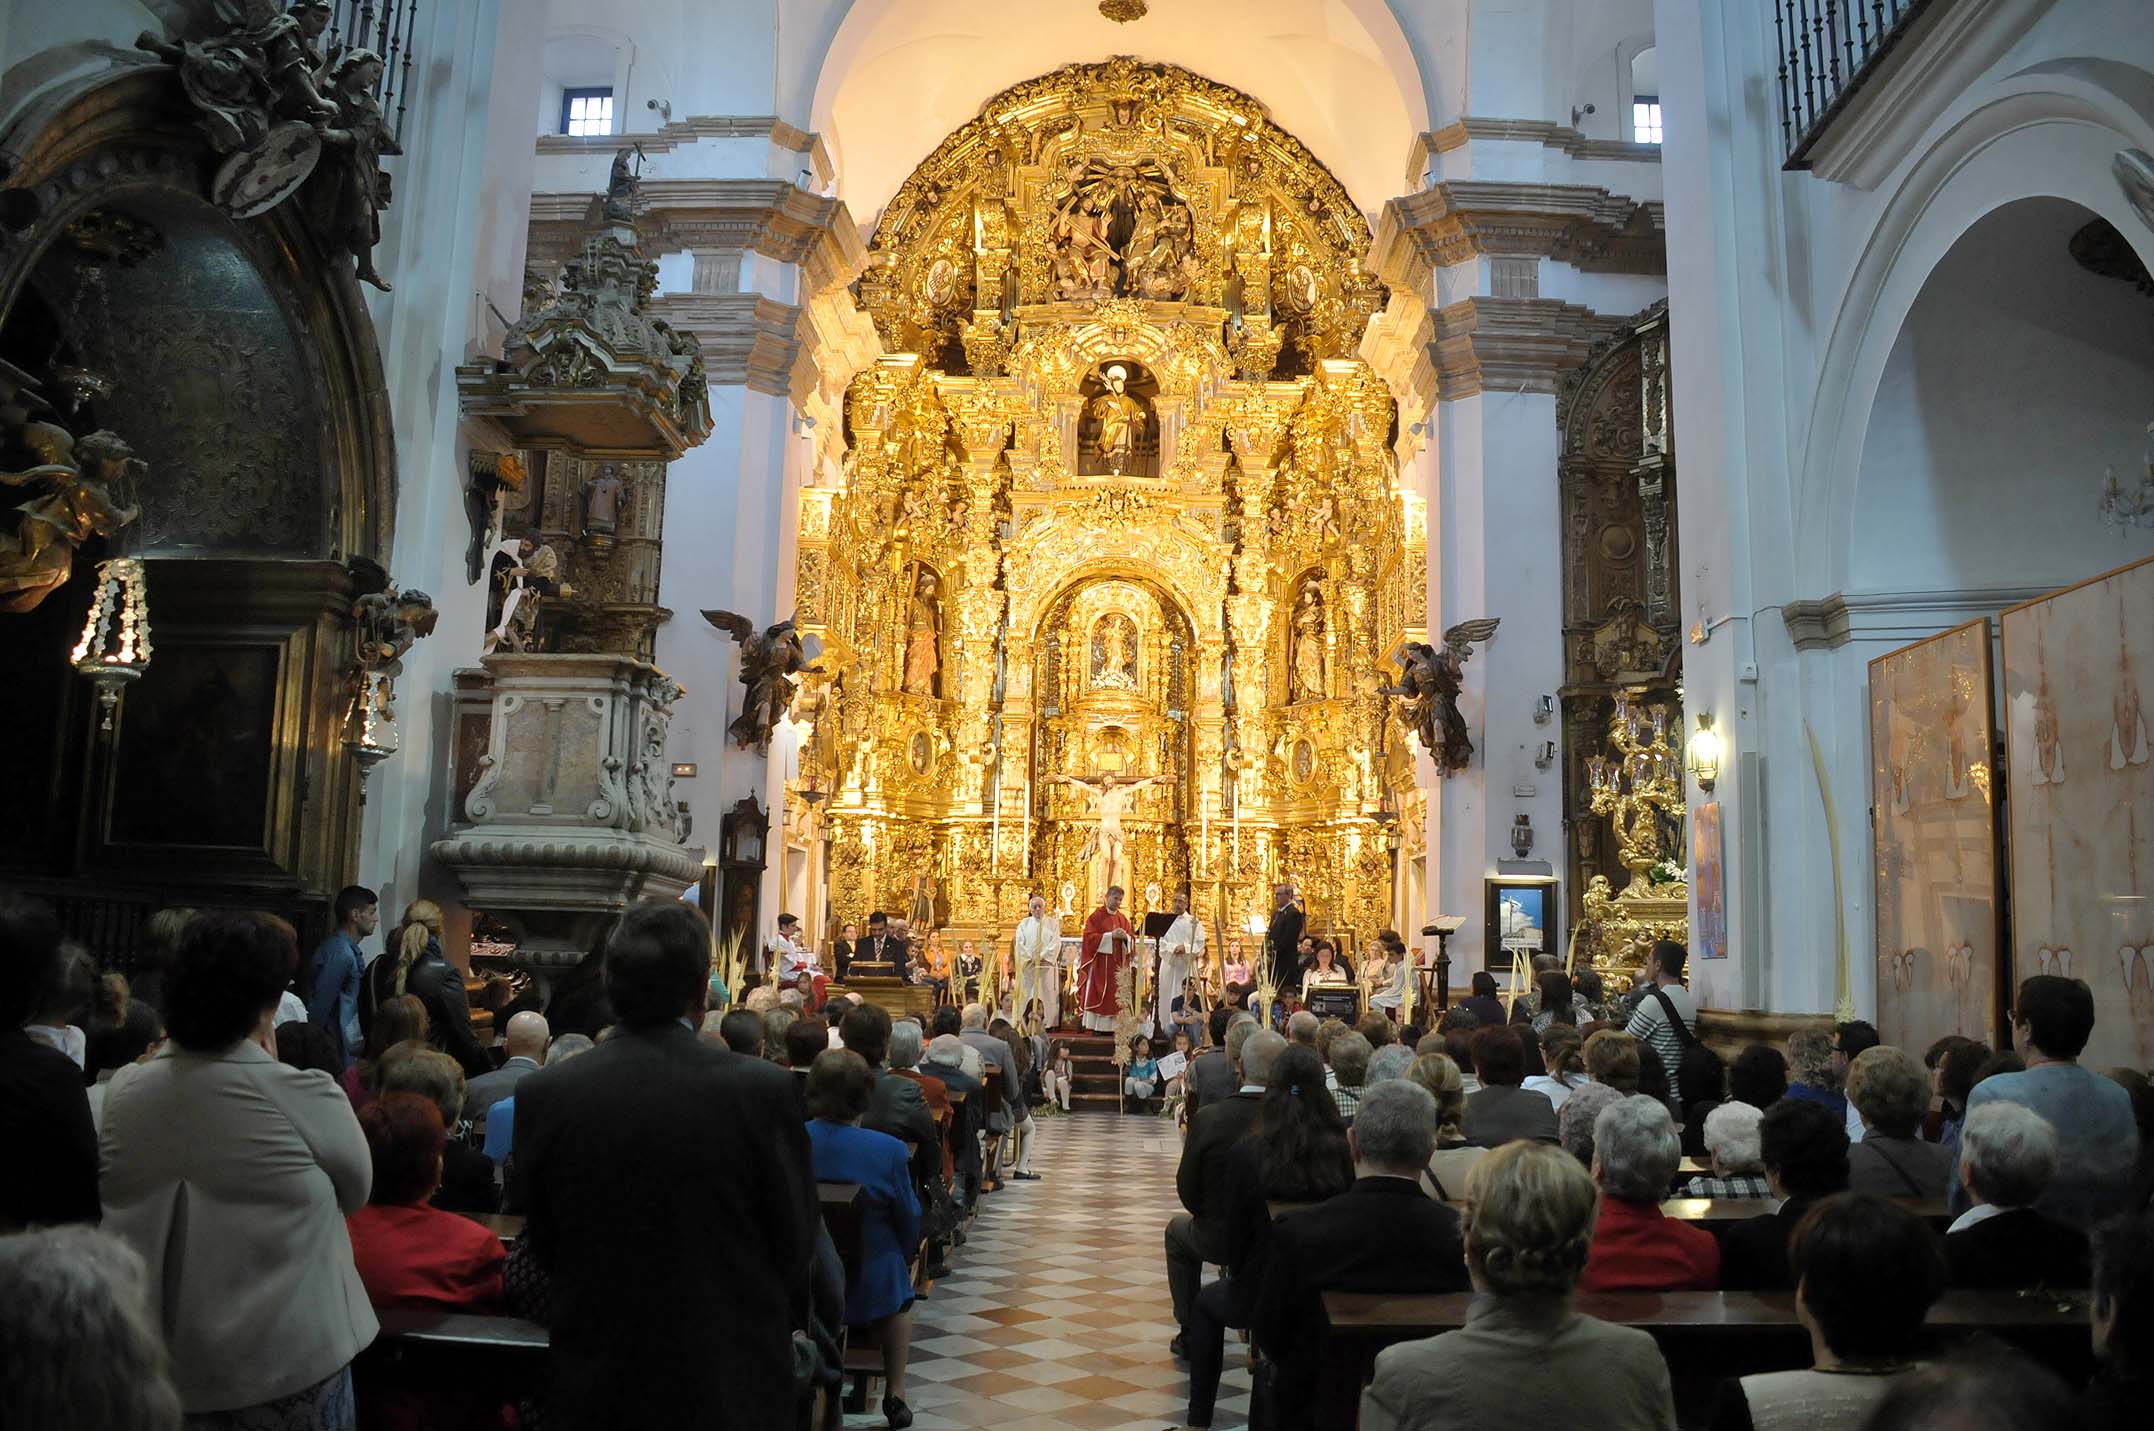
x=1028, y=826
x=994, y=858
x=1204, y=828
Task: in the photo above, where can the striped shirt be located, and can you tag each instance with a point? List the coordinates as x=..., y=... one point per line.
x=1650, y=1024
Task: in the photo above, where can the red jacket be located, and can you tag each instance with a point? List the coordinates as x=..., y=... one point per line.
x=412, y=1257
x=1635, y=1249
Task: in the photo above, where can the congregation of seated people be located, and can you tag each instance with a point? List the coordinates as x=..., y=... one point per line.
x=230, y=1192
x=1535, y=1159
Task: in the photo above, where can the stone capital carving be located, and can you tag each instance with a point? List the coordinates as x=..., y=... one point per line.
x=1459, y=220
x=1513, y=344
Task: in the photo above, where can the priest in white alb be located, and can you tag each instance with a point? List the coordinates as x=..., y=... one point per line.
x=1181, y=953
x=1038, y=947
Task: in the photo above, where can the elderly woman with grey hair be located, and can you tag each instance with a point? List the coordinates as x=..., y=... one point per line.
x=1732, y=1141
x=1891, y=1090
x=1391, y=1062
x=82, y=1346
x=2008, y=1155
x=1529, y=1227
x=1635, y=1248
x=1574, y=1125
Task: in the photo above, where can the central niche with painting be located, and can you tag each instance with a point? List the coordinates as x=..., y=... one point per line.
x=1118, y=429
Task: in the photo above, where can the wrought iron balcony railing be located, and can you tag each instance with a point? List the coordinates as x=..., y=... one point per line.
x=1829, y=49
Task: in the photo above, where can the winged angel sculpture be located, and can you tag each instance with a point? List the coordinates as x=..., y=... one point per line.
x=768, y=664
x=1428, y=692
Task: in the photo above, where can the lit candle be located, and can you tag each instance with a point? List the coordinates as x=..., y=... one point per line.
x=1028, y=825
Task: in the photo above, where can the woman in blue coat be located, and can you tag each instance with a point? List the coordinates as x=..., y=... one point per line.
x=878, y=1293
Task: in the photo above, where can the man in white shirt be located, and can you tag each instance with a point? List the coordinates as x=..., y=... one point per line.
x=790, y=958
x=1181, y=950
x=1038, y=947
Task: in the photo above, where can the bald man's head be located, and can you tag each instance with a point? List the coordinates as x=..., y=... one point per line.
x=527, y=1034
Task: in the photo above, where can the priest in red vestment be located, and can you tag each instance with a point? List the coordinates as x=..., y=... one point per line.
x=1108, y=944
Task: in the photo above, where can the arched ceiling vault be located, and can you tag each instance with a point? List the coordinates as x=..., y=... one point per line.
x=1336, y=74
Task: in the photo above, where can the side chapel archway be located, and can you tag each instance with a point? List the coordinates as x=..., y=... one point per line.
x=238, y=361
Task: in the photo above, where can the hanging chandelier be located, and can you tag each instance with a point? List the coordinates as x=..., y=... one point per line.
x=115, y=645
x=1124, y=11
x=370, y=733
x=2120, y=510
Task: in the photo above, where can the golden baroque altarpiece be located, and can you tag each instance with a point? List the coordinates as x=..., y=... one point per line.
x=1119, y=525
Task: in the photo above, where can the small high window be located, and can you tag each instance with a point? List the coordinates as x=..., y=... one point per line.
x=1645, y=119
x=586, y=111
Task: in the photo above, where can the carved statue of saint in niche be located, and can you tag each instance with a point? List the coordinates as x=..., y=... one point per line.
x=602, y=502
x=1118, y=435
x=1306, y=670
x=1114, y=653
x=923, y=638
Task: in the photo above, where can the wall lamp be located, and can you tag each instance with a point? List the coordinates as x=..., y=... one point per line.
x=1705, y=752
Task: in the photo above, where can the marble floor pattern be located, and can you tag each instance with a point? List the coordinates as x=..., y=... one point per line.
x=1055, y=1315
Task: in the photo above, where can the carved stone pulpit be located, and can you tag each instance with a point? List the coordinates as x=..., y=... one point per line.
x=570, y=817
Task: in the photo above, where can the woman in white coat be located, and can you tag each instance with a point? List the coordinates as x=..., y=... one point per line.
x=231, y=1173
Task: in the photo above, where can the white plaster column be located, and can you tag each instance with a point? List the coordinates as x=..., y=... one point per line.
x=453, y=236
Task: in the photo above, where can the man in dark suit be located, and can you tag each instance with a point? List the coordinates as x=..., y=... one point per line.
x=898, y=1107
x=669, y=1196
x=882, y=952
x=1211, y=1075
x=841, y=950
x=2008, y=1156
x=526, y=1038
x=1381, y=1235
x=1804, y=1148
x=1284, y=940
x=1500, y=1111
x=1199, y=1235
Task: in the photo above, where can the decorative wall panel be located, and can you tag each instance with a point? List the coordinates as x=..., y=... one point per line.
x=2080, y=759
x=1934, y=807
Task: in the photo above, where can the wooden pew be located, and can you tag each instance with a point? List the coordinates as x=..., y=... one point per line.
x=1705, y=1336
x=991, y=1143
x=505, y=1225
x=840, y=1206
x=1714, y=1214
x=496, y=1357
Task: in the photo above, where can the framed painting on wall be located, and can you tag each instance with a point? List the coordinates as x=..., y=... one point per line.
x=2081, y=777
x=1938, y=863
x=1523, y=919
x=1709, y=924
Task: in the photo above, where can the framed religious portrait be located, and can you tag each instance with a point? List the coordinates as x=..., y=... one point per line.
x=920, y=752
x=1709, y=929
x=1301, y=761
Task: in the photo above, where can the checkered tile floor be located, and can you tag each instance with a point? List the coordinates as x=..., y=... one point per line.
x=1055, y=1315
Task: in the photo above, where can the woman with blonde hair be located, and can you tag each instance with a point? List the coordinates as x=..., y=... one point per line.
x=415, y=965
x=1528, y=1225
x=1453, y=1161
